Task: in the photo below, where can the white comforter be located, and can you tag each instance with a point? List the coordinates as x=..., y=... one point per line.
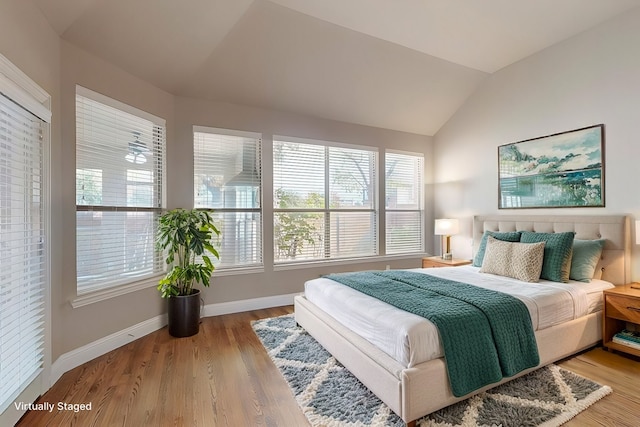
x=411, y=339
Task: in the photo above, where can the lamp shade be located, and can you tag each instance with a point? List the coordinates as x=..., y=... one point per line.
x=446, y=227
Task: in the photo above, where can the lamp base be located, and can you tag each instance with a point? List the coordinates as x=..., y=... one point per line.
x=446, y=248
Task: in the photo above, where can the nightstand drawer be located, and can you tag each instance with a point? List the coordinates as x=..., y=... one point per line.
x=436, y=261
x=623, y=308
x=432, y=264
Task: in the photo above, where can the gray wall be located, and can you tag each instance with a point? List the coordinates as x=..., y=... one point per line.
x=191, y=112
x=110, y=316
x=589, y=79
x=74, y=327
x=27, y=40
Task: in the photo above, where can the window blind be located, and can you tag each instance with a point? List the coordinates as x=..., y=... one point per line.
x=119, y=187
x=228, y=180
x=22, y=250
x=324, y=201
x=404, y=194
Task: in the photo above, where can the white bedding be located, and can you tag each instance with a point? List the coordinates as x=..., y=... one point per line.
x=411, y=339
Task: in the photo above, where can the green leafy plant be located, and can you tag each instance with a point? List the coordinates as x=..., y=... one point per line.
x=294, y=230
x=184, y=235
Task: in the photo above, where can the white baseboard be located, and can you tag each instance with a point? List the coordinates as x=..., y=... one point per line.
x=248, y=305
x=88, y=352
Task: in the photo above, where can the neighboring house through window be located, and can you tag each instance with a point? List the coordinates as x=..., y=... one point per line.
x=228, y=180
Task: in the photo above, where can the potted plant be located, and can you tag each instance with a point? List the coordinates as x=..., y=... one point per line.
x=185, y=237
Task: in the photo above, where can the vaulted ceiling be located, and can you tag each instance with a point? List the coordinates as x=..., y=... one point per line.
x=404, y=65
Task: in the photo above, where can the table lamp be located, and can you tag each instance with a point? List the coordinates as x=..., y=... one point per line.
x=446, y=227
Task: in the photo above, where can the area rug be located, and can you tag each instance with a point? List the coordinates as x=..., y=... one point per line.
x=330, y=395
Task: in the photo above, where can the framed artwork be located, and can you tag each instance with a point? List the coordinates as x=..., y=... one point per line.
x=563, y=170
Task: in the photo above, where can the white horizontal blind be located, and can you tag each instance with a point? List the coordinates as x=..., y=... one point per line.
x=404, y=195
x=324, y=201
x=228, y=180
x=119, y=178
x=22, y=250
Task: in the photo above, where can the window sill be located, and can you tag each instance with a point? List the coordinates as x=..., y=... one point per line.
x=231, y=271
x=116, y=291
x=346, y=261
x=149, y=282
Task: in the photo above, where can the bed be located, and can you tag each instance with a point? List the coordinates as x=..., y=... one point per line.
x=415, y=386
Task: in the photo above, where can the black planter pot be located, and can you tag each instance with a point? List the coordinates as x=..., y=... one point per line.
x=184, y=314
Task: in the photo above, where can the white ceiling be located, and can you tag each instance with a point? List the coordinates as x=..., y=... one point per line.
x=404, y=65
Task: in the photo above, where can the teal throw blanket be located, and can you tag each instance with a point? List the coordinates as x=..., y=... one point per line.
x=486, y=335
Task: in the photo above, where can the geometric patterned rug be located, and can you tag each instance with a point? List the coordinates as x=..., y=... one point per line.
x=329, y=395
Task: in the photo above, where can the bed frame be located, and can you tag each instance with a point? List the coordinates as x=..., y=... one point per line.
x=415, y=392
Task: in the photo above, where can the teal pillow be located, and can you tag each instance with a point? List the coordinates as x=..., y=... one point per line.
x=508, y=236
x=558, y=248
x=586, y=254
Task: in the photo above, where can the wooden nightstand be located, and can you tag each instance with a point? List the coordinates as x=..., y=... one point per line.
x=436, y=261
x=621, y=307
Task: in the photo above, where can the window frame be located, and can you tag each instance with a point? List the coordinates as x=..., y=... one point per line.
x=20, y=88
x=327, y=210
x=421, y=209
x=249, y=267
x=124, y=285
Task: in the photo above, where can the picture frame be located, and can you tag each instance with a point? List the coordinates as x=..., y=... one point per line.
x=562, y=170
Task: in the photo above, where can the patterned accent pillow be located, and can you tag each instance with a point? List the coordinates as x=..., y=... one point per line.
x=586, y=254
x=522, y=261
x=509, y=236
x=558, y=250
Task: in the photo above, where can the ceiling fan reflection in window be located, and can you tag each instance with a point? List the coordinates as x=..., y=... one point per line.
x=137, y=150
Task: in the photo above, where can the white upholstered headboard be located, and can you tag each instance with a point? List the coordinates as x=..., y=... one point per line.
x=615, y=264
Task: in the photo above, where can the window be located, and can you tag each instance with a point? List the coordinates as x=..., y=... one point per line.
x=404, y=194
x=324, y=198
x=22, y=248
x=228, y=179
x=119, y=185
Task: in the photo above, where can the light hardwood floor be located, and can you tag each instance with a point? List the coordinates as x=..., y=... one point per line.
x=224, y=377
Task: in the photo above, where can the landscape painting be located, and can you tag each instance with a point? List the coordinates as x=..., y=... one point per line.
x=555, y=171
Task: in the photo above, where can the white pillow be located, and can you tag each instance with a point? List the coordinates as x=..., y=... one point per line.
x=522, y=261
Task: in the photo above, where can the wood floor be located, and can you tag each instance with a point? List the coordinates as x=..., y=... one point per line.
x=223, y=377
